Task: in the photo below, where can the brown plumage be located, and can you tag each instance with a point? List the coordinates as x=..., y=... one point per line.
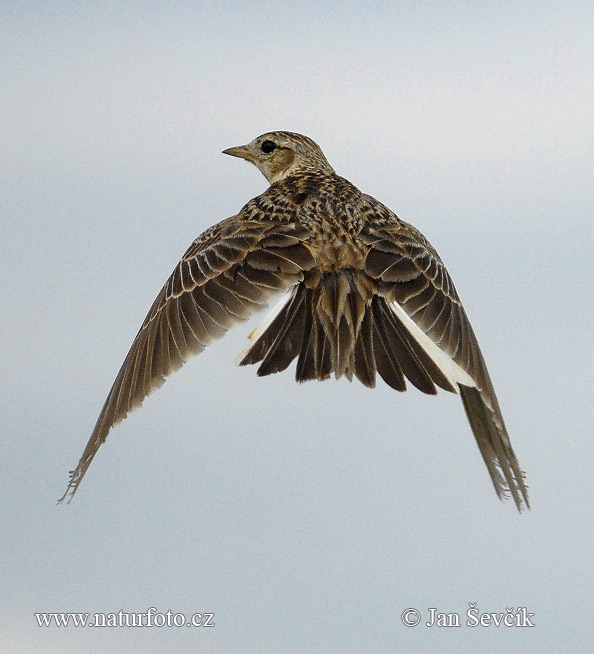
x=364, y=293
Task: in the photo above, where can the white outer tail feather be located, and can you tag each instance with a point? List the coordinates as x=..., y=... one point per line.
x=277, y=307
x=455, y=374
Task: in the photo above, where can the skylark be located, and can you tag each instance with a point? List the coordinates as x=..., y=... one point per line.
x=362, y=292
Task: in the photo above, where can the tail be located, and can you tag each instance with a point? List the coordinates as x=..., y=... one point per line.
x=338, y=325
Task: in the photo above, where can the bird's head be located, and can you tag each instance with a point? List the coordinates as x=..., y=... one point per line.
x=281, y=154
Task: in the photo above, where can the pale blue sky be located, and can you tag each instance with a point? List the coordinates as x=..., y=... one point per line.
x=307, y=518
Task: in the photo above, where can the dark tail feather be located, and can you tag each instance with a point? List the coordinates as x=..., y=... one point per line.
x=340, y=327
x=295, y=331
x=316, y=325
x=288, y=334
x=415, y=362
x=405, y=349
x=270, y=337
x=314, y=357
x=306, y=368
x=365, y=356
x=385, y=358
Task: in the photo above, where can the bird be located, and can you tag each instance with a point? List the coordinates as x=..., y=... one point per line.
x=361, y=294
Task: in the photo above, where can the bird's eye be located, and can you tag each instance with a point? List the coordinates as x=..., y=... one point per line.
x=268, y=146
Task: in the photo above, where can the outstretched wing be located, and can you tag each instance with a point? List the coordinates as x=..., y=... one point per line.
x=422, y=297
x=231, y=271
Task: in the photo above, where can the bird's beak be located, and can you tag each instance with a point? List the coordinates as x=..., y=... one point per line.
x=241, y=151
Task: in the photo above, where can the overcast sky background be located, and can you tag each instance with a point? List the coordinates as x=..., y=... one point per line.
x=306, y=518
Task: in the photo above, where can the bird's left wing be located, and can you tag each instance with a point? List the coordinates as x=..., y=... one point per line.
x=231, y=271
x=423, y=300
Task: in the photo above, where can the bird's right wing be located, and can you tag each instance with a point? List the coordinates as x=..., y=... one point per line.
x=231, y=271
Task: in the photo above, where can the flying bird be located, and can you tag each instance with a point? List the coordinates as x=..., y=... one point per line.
x=361, y=293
